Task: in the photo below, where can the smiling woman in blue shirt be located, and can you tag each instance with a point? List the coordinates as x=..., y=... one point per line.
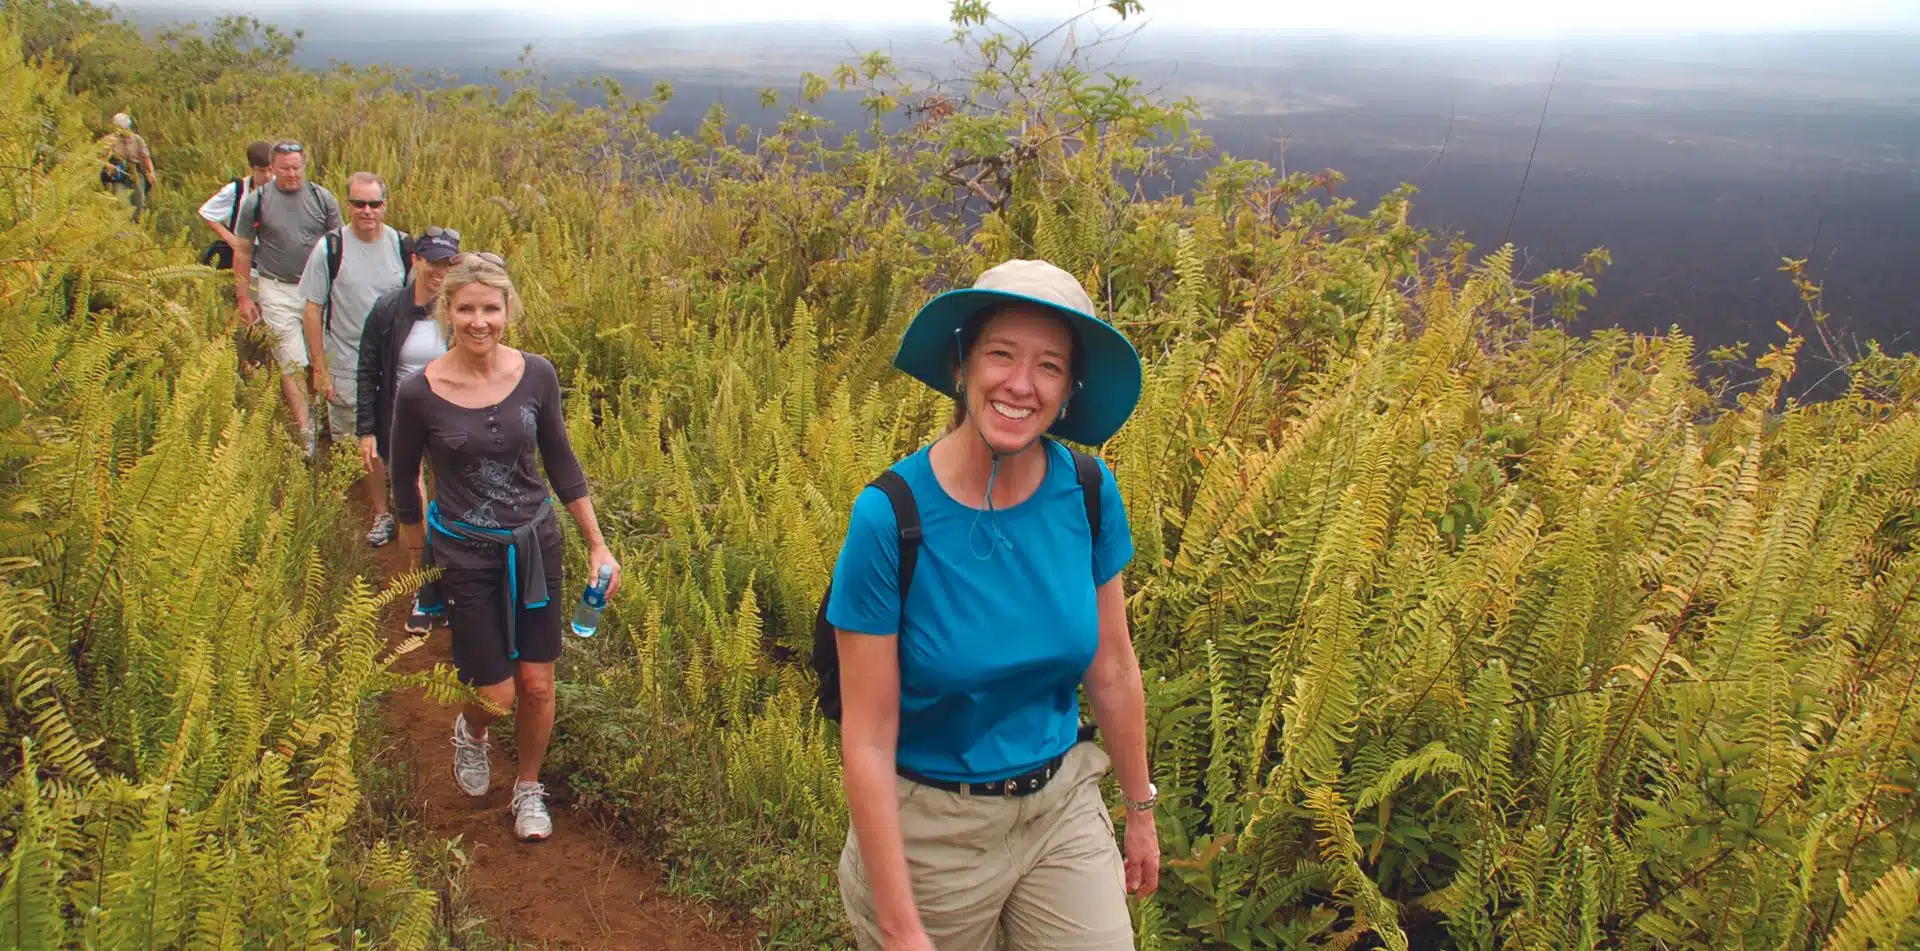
x=977, y=820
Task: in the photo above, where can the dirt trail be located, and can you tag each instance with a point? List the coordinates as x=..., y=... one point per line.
x=580, y=889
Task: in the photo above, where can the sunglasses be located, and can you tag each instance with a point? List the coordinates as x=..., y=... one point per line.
x=367, y=202
x=282, y=148
x=486, y=257
x=435, y=231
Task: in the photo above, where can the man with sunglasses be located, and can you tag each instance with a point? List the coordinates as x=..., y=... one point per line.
x=278, y=228
x=347, y=270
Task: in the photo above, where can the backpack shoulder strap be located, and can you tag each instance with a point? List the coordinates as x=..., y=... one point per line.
x=333, y=271
x=906, y=518
x=333, y=256
x=1086, y=471
x=406, y=255
x=239, y=198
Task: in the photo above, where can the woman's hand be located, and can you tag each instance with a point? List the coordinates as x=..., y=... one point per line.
x=601, y=555
x=369, y=452
x=1143, y=853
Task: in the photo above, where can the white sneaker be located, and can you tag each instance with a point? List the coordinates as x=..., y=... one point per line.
x=382, y=531
x=418, y=621
x=531, y=823
x=470, y=767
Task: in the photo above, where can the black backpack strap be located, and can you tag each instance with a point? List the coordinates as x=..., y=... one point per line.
x=333, y=272
x=1086, y=471
x=406, y=256
x=906, y=518
x=239, y=198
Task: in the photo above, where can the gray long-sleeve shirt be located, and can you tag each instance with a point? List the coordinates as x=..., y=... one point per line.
x=483, y=460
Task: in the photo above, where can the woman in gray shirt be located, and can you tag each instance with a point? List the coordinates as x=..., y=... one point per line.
x=481, y=412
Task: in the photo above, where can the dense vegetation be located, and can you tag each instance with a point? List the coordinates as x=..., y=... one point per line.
x=184, y=659
x=1461, y=629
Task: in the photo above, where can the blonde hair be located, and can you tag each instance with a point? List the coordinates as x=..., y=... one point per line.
x=471, y=269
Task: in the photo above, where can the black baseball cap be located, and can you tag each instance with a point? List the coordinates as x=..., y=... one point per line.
x=437, y=244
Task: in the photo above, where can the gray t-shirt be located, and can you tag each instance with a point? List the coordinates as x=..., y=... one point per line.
x=368, y=269
x=289, y=225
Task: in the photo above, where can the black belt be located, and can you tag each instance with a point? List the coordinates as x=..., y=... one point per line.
x=1025, y=784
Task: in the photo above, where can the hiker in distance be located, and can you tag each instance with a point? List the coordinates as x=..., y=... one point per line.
x=129, y=164
x=482, y=412
x=977, y=820
x=221, y=210
x=348, y=269
x=401, y=337
x=278, y=228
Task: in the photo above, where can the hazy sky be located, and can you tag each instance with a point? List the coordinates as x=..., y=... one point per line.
x=1387, y=16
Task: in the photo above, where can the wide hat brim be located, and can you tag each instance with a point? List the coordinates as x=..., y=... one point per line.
x=1109, y=382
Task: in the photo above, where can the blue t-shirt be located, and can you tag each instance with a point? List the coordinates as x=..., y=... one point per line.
x=995, y=647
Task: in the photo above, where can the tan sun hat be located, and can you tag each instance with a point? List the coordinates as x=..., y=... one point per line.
x=1109, y=380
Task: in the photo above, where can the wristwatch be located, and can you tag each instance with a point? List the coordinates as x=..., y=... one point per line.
x=1146, y=805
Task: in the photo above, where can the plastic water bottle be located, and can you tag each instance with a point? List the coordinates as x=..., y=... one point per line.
x=586, y=614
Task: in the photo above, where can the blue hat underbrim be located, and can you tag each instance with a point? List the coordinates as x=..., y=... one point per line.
x=1109, y=382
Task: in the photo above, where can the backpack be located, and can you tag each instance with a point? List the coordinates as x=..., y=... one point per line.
x=115, y=173
x=906, y=517
x=334, y=254
x=219, y=254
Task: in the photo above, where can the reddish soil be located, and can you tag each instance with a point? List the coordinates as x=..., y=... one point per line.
x=582, y=888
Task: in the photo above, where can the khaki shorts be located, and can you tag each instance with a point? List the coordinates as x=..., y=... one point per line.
x=343, y=411
x=284, y=312
x=1019, y=874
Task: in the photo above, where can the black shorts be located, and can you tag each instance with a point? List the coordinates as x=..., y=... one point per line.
x=477, y=616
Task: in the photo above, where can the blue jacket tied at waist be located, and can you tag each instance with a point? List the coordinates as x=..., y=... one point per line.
x=526, y=564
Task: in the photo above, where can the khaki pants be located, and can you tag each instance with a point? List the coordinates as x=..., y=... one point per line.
x=1021, y=874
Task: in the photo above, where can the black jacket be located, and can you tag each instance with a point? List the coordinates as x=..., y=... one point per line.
x=388, y=323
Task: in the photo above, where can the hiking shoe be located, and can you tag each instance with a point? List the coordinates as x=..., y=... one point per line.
x=382, y=531
x=470, y=767
x=418, y=621
x=531, y=823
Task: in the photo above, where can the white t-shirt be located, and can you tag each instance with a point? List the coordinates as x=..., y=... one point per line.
x=368, y=269
x=220, y=207
x=422, y=346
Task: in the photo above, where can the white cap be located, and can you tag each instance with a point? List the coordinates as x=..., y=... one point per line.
x=123, y=120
